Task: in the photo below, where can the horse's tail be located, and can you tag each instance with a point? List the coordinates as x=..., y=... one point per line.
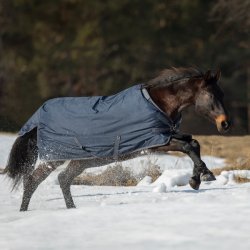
x=22, y=157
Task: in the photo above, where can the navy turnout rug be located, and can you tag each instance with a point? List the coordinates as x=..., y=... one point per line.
x=100, y=126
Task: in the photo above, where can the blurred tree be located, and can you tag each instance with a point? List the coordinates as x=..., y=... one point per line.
x=233, y=14
x=74, y=47
x=233, y=24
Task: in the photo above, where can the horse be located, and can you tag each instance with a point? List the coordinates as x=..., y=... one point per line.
x=155, y=127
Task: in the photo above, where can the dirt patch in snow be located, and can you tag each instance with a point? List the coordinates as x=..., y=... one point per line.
x=235, y=149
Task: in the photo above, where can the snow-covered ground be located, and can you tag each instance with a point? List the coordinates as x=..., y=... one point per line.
x=149, y=216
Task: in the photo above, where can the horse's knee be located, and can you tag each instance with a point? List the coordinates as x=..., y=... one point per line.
x=192, y=146
x=195, y=144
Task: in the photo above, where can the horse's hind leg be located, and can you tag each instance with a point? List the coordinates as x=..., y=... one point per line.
x=30, y=160
x=66, y=177
x=32, y=181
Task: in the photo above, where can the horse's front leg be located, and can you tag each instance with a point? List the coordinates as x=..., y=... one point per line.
x=192, y=149
x=200, y=167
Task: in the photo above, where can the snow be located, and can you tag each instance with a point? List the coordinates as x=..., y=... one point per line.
x=147, y=180
x=216, y=217
x=227, y=177
x=173, y=178
x=146, y=217
x=160, y=188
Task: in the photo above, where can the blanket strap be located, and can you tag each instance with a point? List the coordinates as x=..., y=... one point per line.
x=84, y=148
x=116, y=147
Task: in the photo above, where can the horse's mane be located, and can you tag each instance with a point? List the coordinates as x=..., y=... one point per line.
x=174, y=76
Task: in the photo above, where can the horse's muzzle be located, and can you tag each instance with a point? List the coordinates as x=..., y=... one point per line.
x=223, y=124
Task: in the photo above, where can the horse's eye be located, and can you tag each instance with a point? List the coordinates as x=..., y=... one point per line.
x=208, y=95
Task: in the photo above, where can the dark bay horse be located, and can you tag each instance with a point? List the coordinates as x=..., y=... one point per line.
x=169, y=94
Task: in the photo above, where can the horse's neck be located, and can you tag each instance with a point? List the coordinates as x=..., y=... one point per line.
x=171, y=102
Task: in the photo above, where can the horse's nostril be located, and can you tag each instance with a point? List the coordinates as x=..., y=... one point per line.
x=225, y=125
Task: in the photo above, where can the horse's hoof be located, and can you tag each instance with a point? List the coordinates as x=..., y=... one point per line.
x=208, y=177
x=194, y=183
x=71, y=206
x=23, y=209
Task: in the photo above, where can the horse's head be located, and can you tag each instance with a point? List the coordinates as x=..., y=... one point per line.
x=209, y=101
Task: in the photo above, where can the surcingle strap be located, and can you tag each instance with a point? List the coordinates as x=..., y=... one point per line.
x=116, y=147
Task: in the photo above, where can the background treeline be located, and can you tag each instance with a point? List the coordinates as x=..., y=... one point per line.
x=91, y=47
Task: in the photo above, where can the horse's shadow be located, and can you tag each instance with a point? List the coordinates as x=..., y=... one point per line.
x=203, y=190
x=191, y=191
x=100, y=194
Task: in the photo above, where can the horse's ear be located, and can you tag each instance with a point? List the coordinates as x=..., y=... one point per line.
x=208, y=75
x=217, y=74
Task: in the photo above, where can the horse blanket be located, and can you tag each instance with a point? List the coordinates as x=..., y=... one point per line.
x=100, y=126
